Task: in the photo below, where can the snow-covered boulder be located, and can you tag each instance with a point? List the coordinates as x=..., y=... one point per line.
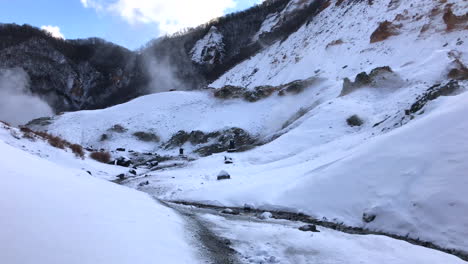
x=223, y=175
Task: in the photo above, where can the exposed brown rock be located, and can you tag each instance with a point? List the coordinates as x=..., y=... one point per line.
x=385, y=30
x=453, y=21
x=334, y=43
x=459, y=72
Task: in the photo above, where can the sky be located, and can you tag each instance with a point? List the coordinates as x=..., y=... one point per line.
x=130, y=23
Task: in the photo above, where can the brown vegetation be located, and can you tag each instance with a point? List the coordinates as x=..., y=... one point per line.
x=78, y=150
x=57, y=142
x=54, y=141
x=101, y=156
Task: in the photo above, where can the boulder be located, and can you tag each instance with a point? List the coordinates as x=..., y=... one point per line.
x=248, y=207
x=230, y=211
x=309, y=228
x=223, y=175
x=354, y=120
x=379, y=77
x=265, y=215
x=228, y=160
x=368, y=217
x=141, y=184
x=122, y=161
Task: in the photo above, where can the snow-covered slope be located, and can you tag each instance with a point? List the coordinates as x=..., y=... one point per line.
x=55, y=214
x=337, y=44
x=412, y=179
x=406, y=169
x=166, y=113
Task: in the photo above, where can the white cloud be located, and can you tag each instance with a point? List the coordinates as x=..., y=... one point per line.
x=54, y=30
x=170, y=15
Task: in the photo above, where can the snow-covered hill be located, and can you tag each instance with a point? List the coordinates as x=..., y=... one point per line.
x=418, y=44
x=358, y=117
x=55, y=213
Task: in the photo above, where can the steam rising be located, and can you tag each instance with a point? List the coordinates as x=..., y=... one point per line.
x=17, y=104
x=162, y=75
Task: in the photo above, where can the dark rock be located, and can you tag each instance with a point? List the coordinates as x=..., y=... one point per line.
x=197, y=137
x=309, y=228
x=43, y=121
x=230, y=211
x=230, y=92
x=122, y=161
x=368, y=217
x=121, y=176
x=232, y=145
x=373, y=79
x=89, y=172
x=118, y=128
x=178, y=139
x=248, y=207
x=146, y=136
x=152, y=164
x=104, y=137
x=211, y=149
x=240, y=138
x=223, y=175
x=141, y=184
x=297, y=86
x=354, y=120
x=433, y=93
x=258, y=93
x=228, y=160
x=120, y=149
x=132, y=172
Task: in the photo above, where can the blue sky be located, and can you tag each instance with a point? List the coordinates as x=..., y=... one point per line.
x=101, y=19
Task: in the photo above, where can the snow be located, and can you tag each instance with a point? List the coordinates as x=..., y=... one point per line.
x=412, y=178
x=166, y=113
x=419, y=57
x=54, y=214
x=275, y=20
x=209, y=47
x=281, y=242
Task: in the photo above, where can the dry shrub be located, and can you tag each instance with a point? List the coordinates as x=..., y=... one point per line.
x=101, y=156
x=57, y=142
x=78, y=150
x=5, y=123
